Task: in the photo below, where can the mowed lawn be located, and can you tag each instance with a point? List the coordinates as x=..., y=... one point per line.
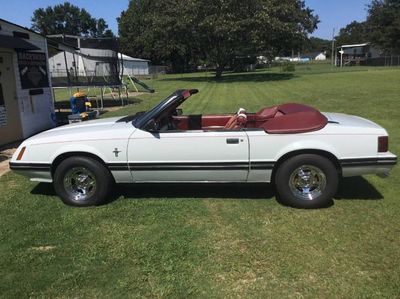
x=217, y=240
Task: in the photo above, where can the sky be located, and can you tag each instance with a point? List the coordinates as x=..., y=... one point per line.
x=333, y=14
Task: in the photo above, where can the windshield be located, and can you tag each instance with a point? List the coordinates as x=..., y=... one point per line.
x=171, y=102
x=141, y=119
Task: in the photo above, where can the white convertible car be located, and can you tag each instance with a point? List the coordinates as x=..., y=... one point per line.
x=302, y=151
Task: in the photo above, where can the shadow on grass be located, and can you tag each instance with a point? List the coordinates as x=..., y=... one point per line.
x=357, y=188
x=3, y=157
x=234, y=78
x=350, y=188
x=134, y=191
x=235, y=191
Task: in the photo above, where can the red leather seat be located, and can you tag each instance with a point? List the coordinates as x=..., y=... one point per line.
x=236, y=122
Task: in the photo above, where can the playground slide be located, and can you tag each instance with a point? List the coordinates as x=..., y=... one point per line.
x=134, y=81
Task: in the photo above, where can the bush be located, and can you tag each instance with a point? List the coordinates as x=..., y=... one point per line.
x=288, y=67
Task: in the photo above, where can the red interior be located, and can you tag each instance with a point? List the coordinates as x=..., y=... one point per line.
x=281, y=119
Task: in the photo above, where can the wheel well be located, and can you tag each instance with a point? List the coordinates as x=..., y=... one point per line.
x=64, y=156
x=331, y=157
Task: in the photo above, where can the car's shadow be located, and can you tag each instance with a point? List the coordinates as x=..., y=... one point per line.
x=3, y=157
x=145, y=191
x=356, y=188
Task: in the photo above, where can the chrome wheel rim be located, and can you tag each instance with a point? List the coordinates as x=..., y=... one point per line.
x=79, y=183
x=307, y=182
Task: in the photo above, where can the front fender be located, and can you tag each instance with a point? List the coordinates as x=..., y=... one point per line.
x=81, y=148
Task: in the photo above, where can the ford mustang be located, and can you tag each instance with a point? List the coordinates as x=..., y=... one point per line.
x=298, y=149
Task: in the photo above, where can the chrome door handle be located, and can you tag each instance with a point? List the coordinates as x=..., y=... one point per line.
x=232, y=140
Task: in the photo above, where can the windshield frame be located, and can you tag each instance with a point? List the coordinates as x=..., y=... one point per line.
x=175, y=99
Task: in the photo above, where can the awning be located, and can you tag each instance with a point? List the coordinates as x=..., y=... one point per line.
x=11, y=42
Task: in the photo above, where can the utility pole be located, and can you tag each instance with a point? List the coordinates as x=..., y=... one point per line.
x=333, y=47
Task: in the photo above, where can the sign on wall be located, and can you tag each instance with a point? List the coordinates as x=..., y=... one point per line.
x=33, y=70
x=3, y=112
x=1, y=95
x=3, y=116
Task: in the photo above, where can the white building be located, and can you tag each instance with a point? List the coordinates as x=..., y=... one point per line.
x=321, y=57
x=26, y=102
x=85, y=67
x=58, y=68
x=134, y=66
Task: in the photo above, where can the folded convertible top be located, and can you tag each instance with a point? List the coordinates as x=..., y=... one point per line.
x=290, y=119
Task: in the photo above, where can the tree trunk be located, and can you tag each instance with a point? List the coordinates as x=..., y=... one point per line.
x=218, y=72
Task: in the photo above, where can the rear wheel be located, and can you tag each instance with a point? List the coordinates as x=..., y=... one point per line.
x=82, y=181
x=306, y=181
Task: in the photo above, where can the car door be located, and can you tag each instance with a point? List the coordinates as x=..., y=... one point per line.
x=189, y=156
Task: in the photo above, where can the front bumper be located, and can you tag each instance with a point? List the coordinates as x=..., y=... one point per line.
x=37, y=172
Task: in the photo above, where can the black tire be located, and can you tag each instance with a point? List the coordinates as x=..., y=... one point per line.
x=306, y=181
x=82, y=181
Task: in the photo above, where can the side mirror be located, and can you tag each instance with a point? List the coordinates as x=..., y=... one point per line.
x=179, y=112
x=152, y=126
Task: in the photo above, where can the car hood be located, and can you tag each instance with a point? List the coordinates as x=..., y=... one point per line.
x=92, y=129
x=89, y=123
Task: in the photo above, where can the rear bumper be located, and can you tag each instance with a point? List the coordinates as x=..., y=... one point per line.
x=379, y=165
x=38, y=172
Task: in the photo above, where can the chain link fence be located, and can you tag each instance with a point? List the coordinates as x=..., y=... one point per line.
x=392, y=60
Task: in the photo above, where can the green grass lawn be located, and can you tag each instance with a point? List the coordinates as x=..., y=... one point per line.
x=219, y=240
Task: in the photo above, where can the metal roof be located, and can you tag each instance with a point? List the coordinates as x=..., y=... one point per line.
x=12, y=42
x=128, y=58
x=354, y=46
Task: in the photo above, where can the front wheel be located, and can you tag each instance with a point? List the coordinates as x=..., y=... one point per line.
x=306, y=181
x=82, y=181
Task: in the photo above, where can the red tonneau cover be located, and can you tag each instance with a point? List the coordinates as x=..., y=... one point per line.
x=290, y=119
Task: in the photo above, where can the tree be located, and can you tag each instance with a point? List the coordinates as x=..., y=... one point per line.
x=235, y=28
x=216, y=30
x=163, y=31
x=384, y=24
x=68, y=19
x=315, y=44
x=354, y=33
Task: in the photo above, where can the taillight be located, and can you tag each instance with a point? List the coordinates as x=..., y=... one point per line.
x=383, y=144
x=21, y=153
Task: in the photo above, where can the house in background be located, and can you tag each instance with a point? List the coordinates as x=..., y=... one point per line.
x=81, y=66
x=133, y=66
x=356, y=54
x=307, y=57
x=318, y=56
x=26, y=101
x=57, y=64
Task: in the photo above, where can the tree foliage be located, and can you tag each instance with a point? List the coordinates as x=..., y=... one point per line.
x=182, y=31
x=159, y=30
x=68, y=19
x=384, y=24
x=315, y=44
x=354, y=33
x=382, y=27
